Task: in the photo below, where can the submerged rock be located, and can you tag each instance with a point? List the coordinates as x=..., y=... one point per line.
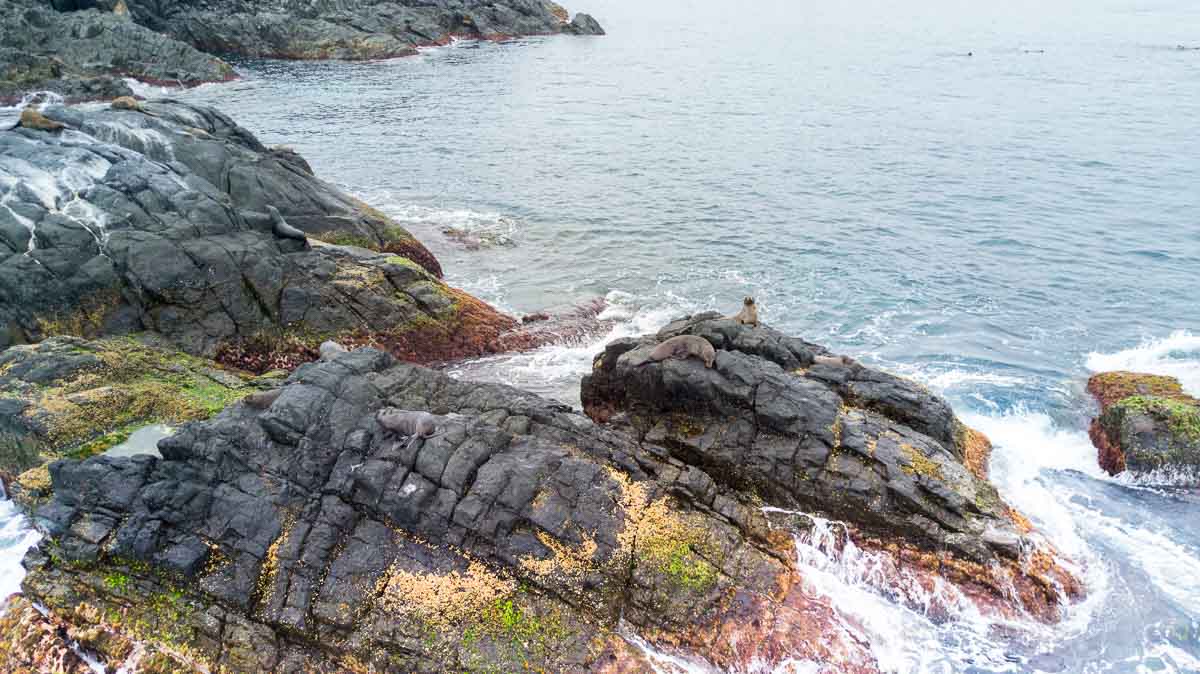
x=84, y=55
x=1148, y=427
x=163, y=219
x=306, y=536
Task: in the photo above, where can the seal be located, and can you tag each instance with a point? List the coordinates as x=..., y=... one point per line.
x=130, y=103
x=330, y=349
x=414, y=425
x=282, y=229
x=835, y=361
x=261, y=400
x=749, y=313
x=32, y=119
x=682, y=347
x=408, y=423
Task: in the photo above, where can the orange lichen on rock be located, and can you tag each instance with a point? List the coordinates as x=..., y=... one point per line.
x=977, y=451
x=1110, y=388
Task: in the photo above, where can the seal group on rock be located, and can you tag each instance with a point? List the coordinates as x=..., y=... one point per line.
x=683, y=347
x=749, y=313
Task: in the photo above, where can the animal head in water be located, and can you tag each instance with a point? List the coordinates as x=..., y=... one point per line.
x=749, y=301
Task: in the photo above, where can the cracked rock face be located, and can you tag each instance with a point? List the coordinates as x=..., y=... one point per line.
x=157, y=220
x=305, y=536
x=783, y=418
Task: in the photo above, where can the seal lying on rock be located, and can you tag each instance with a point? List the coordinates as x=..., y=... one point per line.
x=683, y=346
x=130, y=103
x=32, y=119
x=749, y=313
x=262, y=399
x=407, y=423
x=330, y=349
x=282, y=229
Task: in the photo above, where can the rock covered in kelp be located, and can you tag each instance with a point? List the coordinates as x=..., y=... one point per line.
x=349, y=29
x=520, y=534
x=160, y=219
x=85, y=55
x=1148, y=427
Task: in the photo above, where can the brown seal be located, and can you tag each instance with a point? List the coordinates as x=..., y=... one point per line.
x=261, y=400
x=130, y=103
x=684, y=346
x=749, y=313
x=32, y=119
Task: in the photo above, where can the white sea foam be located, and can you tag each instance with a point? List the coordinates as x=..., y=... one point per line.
x=555, y=369
x=1177, y=355
x=16, y=536
x=144, y=90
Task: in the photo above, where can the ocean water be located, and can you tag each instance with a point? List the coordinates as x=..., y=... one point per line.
x=994, y=200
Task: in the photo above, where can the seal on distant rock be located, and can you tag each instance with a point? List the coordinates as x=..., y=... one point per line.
x=684, y=346
x=330, y=349
x=282, y=229
x=749, y=313
x=31, y=118
x=261, y=400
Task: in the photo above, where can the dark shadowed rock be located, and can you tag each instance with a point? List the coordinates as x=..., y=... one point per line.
x=162, y=219
x=306, y=536
x=1148, y=427
x=349, y=29
x=778, y=417
x=83, y=55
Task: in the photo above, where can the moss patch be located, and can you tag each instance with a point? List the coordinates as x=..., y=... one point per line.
x=1181, y=417
x=919, y=464
x=133, y=385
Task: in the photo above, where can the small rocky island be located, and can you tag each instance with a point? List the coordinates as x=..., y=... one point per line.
x=84, y=49
x=1148, y=428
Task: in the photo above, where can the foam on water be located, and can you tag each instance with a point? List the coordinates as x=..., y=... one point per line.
x=554, y=370
x=16, y=536
x=1177, y=355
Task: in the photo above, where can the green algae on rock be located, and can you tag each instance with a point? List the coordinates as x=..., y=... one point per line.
x=1148, y=427
x=76, y=398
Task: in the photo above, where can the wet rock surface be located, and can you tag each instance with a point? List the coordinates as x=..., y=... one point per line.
x=784, y=419
x=158, y=219
x=306, y=536
x=84, y=55
x=1148, y=427
x=70, y=397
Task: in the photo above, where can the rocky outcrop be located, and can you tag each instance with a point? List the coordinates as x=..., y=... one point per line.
x=305, y=536
x=783, y=418
x=158, y=219
x=349, y=29
x=1148, y=427
x=85, y=55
